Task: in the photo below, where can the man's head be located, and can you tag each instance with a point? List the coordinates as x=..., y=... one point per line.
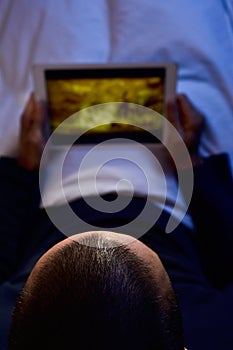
x=97, y=290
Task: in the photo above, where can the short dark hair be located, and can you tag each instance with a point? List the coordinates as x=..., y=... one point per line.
x=89, y=297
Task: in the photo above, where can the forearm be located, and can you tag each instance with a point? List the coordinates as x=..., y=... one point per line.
x=19, y=199
x=211, y=210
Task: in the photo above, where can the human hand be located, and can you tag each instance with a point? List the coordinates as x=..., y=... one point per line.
x=31, y=140
x=189, y=123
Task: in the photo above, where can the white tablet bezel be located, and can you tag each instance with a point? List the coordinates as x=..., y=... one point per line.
x=169, y=67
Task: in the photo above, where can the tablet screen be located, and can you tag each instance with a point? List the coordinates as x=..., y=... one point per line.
x=70, y=89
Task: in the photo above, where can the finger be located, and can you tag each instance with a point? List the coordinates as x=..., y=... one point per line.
x=28, y=111
x=193, y=122
x=33, y=116
x=37, y=116
x=188, y=113
x=173, y=117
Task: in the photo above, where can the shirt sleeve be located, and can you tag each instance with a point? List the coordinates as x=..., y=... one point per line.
x=212, y=212
x=19, y=200
x=199, y=263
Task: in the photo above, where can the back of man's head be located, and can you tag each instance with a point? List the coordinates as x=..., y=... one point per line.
x=96, y=296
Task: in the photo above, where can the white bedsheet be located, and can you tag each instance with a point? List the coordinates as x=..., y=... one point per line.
x=197, y=35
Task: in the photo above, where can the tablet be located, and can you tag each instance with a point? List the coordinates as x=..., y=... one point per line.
x=67, y=89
